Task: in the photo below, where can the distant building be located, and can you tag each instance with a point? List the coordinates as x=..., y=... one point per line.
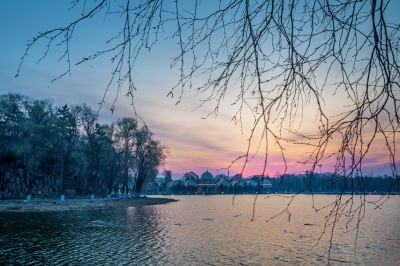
x=190, y=183
x=266, y=186
x=207, y=184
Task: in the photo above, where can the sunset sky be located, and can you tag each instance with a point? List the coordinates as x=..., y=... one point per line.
x=193, y=143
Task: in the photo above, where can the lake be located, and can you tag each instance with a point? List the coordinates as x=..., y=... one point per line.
x=201, y=230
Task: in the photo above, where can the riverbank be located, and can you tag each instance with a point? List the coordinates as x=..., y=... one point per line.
x=49, y=205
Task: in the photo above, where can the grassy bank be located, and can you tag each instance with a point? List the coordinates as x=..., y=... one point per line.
x=48, y=205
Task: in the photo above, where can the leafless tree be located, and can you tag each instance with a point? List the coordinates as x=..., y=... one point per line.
x=276, y=57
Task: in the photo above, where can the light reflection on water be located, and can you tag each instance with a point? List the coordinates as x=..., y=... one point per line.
x=197, y=230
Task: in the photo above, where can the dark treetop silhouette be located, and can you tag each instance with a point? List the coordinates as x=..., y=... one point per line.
x=46, y=150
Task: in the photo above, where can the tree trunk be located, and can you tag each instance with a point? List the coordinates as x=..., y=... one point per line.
x=62, y=173
x=139, y=182
x=111, y=179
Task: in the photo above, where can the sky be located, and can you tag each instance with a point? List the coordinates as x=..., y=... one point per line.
x=194, y=143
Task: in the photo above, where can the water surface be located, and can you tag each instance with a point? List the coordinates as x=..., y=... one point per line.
x=200, y=230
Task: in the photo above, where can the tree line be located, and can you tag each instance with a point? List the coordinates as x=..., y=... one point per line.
x=333, y=183
x=50, y=150
x=307, y=183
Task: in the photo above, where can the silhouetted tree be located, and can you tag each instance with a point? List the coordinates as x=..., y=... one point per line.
x=126, y=135
x=149, y=155
x=66, y=129
x=190, y=176
x=167, y=176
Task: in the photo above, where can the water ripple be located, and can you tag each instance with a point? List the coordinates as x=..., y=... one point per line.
x=194, y=231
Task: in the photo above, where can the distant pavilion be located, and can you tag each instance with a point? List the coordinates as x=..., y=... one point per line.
x=207, y=184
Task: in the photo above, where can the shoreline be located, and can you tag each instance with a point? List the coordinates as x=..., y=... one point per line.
x=55, y=205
